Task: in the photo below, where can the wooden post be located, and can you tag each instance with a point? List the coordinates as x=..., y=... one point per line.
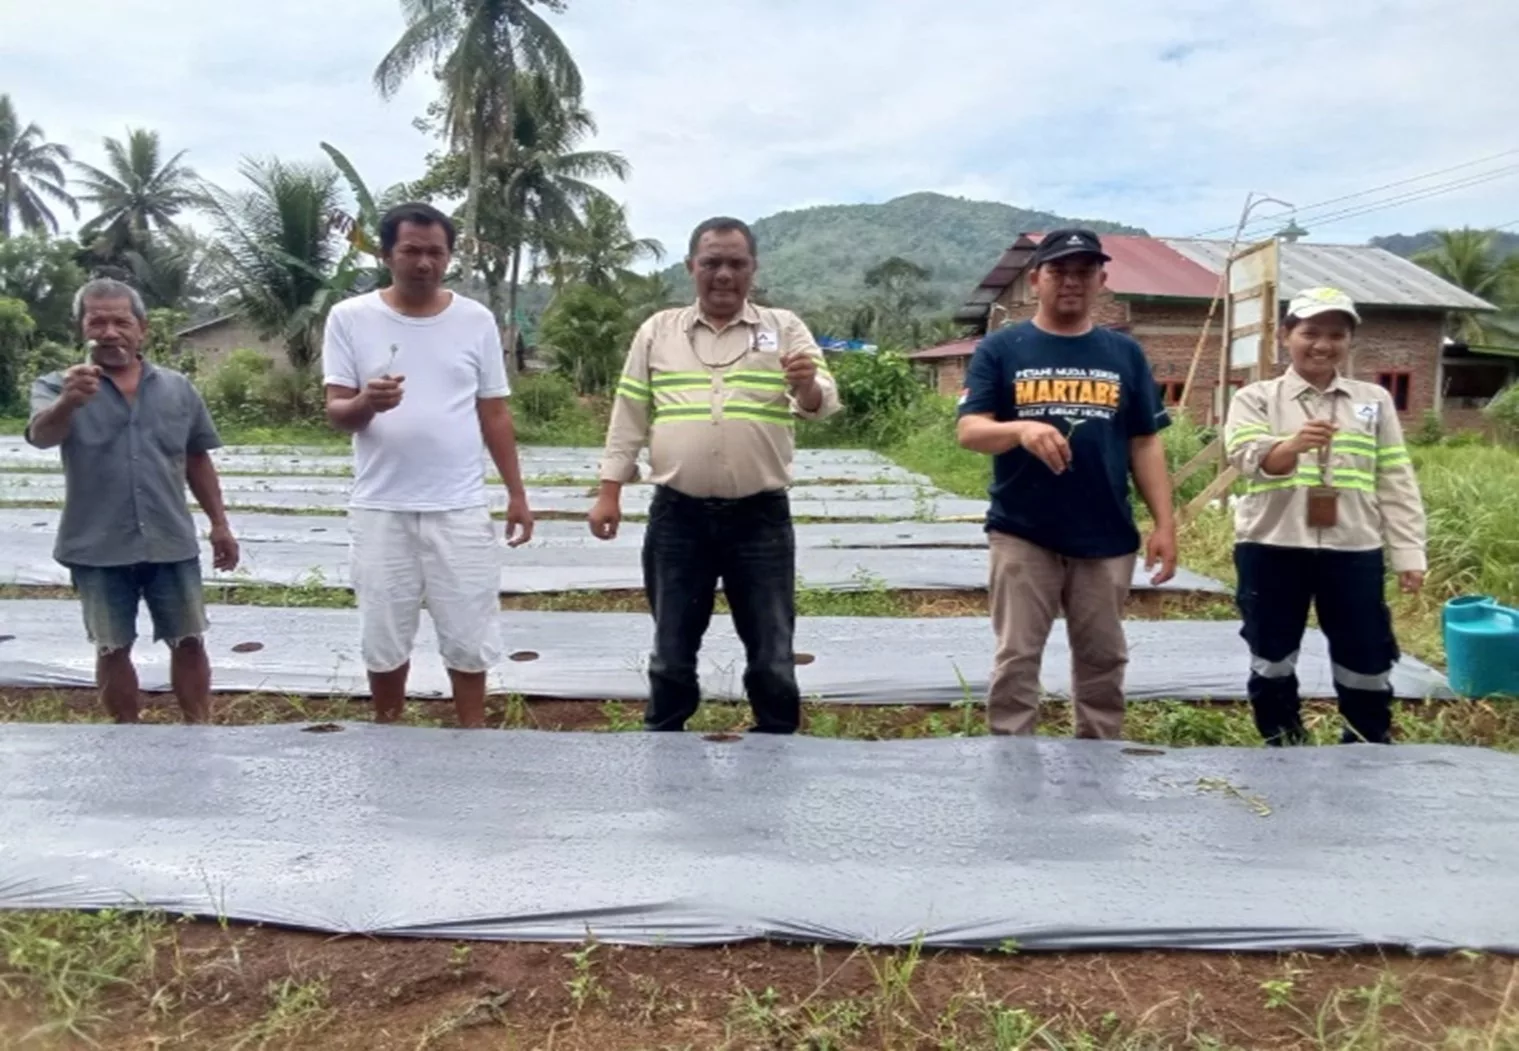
x=1217, y=488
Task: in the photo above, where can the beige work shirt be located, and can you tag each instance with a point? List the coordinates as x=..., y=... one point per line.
x=712, y=403
x=1368, y=465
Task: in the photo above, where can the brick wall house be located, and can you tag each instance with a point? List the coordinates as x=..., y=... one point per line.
x=1160, y=293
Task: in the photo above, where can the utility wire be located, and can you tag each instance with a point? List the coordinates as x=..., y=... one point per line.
x=1374, y=189
x=1258, y=226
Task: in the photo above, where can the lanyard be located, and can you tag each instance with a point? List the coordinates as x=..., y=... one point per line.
x=749, y=348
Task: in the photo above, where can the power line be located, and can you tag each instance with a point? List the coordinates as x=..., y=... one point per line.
x=1424, y=193
x=1374, y=189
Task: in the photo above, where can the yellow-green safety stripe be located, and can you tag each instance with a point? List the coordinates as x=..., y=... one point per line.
x=731, y=411
x=633, y=390
x=1340, y=478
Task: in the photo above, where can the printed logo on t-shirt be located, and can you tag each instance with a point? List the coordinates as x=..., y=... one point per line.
x=1072, y=393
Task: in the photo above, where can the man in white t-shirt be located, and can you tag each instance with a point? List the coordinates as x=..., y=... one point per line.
x=417, y=375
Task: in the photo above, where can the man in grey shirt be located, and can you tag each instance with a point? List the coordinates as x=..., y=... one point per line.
x=131, y=435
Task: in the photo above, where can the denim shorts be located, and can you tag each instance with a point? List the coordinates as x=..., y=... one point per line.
x=110, y=597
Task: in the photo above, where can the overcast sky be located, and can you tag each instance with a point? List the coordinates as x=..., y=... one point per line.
x=1160, y=113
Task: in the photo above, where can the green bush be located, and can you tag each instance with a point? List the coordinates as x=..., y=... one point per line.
x=876, y=386
x=46, y=357
x=1504, y=412
x=234, y=389
x=16, y=328
x=543, y=398
x=1431, y=431
x=289, y=396
x=586, y=334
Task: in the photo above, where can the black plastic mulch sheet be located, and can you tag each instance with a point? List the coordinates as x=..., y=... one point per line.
x=675, y=839
x=563, y=556
x=602, y=656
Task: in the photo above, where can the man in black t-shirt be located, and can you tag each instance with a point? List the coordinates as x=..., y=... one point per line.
x=1067, y=410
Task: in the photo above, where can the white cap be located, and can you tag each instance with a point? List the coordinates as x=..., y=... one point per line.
x=1314, y=301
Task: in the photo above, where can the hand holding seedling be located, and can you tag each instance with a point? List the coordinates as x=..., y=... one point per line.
x=384, y=392
x=1316, y=434
x=801, y=370
x=1046, y=443
x=80, y=384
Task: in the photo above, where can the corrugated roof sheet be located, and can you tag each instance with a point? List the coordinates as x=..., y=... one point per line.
x=1146, y=266
x=1369, y=275
x=1141, y=266
x=960, y=348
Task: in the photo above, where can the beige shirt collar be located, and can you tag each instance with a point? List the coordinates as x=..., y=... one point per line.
x=749, y=315
x=1297, y=385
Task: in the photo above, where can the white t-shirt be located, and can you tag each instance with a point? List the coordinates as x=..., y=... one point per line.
x=427, y=453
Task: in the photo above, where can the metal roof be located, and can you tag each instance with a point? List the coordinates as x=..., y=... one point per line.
x=1189, y=268
x=960, y=348
x=1141, y=266
x=1371, y=276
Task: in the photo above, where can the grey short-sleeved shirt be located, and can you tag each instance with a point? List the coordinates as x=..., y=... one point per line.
x=124, y=470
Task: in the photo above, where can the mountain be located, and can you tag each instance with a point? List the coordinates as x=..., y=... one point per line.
x=814, y=257
x=1408, y=244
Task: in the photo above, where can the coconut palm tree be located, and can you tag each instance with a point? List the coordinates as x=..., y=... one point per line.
x=1468, y=259
x=277, y=249
x=603, y=252
x=140, y=194
x=477, y=48
x=31, y=171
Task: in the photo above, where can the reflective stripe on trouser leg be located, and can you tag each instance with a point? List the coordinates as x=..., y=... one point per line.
x=1365, y=705
x=1354, y=680
x=1282, y=669
x=1356, y=622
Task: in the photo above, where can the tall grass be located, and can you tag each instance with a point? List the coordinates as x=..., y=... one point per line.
x=1471, y=495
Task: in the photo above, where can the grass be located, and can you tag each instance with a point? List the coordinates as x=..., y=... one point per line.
x=233, y=988
x=70, y=963
x=1166, y=724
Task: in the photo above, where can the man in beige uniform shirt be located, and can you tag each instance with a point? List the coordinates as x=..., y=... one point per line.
x=714, y=389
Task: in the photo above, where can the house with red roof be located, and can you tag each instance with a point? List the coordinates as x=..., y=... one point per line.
x=1160, y=290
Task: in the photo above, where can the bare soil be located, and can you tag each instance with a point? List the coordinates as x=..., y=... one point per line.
x=229, y=988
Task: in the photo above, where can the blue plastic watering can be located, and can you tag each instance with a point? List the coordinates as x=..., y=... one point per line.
x=1481, y=647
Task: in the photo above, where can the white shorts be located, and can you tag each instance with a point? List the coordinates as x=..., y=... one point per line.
x=449, y=561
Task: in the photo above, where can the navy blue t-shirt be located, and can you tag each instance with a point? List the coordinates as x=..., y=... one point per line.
x=1098, y=391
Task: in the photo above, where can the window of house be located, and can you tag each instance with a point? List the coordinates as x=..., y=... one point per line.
x=1397, y=384
x=1172, y=391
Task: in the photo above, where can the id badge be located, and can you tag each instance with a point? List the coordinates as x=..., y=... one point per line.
x=1323, y=507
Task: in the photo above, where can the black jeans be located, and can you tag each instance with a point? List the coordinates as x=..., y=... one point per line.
x=751, y=546
x=1276, y=585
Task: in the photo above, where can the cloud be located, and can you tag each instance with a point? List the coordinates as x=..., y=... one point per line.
x=1164, y=117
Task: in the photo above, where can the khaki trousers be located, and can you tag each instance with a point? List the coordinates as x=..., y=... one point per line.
x=1030, y=585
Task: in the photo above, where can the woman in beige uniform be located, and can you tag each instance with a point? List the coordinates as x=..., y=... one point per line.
x=1330, y=499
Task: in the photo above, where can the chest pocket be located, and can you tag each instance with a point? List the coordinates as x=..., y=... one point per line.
x=165, y=419
x=103, y=420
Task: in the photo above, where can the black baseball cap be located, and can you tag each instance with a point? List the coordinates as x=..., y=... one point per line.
x=1057, y=244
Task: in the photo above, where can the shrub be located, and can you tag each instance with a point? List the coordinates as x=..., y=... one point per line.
x=289, y=396
x=586, y=334
x=1430, y=431
x=231, y=388
x=1504, y=412
x=877, y=393
x=46, y=357
x=543, y=398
